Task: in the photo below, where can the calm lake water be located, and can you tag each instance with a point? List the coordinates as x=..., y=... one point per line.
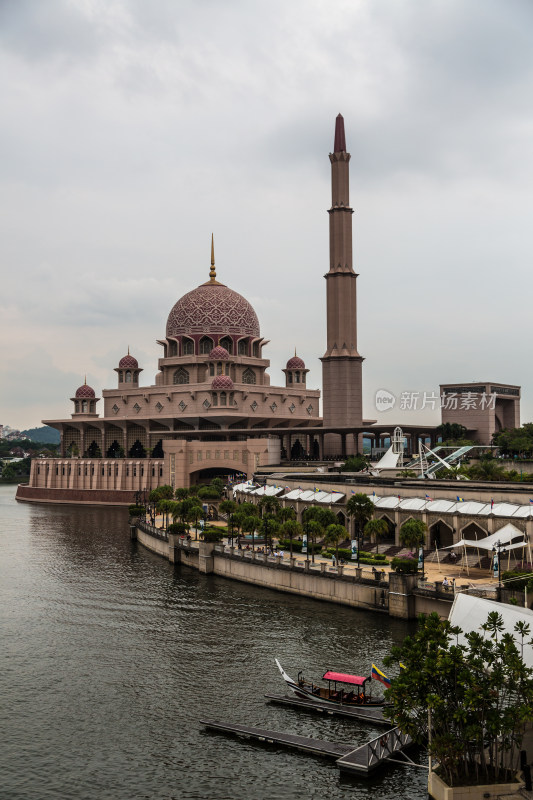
x=110, y=658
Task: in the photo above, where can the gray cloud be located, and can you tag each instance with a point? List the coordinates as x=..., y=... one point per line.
x=131, y=130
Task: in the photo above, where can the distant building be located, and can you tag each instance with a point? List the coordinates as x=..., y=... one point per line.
x=482, y=408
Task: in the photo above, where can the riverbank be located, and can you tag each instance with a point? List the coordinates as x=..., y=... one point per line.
x=398, y=595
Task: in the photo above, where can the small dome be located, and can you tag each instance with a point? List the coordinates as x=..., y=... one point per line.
x=85, y=391
x=219, y=353
x=128, y=362
x=222, y=382
x=295, y=363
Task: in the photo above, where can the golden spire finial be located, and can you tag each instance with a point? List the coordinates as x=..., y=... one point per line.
x=85, y=380
x=212, y=272
x=294, y=351
x=128, y=349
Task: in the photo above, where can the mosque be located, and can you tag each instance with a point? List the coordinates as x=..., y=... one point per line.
x=212, y=409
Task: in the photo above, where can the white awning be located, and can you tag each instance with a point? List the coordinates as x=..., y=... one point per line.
x=470, y=613
x=388, y=502
x=412, y=504
x=504, y=537
x=471, y=507
x=332, y=497
x=441, y=506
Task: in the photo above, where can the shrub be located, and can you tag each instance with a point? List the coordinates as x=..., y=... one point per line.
x=212, y=535
x=136, y=511
x=406, y=565
x=512, y=579
x=285, y=544
x=364, y=558
x=178, y=527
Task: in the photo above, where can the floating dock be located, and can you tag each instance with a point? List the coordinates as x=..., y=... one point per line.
x=374, y=716
x=358, y=761
x=316, y=746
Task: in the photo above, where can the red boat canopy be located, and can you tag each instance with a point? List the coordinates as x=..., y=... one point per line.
x=341, y=677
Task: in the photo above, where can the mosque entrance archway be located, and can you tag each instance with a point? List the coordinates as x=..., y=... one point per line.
x=474, y=531
x=440, y=534
x=205, y=476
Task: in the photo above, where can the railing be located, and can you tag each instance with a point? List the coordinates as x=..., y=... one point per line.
x=384, y=746
x=158, y=533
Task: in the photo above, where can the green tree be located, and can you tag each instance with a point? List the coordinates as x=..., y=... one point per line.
x=166, y=508
x=269, y=508
x=290, y=529
x=249, y=525
x=361, y=508
x=412, y=532
x=195, y=513
x=334, y=535
x=181, y=493
x=476, y=714
x=487, y=469
x=285, y=514
x=315, y=521
x=209, y=492
x=356, y=463
x=450, y=431
x=376, y=529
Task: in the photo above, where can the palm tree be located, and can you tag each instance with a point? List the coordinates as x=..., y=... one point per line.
x=291, y=529
x=249, y=525
x=195, y=513
x=361, y=508
x=229, y=507
x=269, y=507
x=334, y=535
x=316, y=520
x=412, y=532
x=376, y=528
x=285, y=514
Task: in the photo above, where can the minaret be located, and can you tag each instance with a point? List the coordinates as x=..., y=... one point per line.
x=342, y=401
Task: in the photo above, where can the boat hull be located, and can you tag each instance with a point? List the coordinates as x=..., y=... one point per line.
x=316, y=695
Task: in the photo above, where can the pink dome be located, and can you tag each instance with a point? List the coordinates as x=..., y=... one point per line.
x=85, y=391
x=219, y=353
x=212, y=308
x=128, y=362
x=295, y=363
x=222, y=382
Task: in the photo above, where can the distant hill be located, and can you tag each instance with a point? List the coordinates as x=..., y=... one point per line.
x=44, y=435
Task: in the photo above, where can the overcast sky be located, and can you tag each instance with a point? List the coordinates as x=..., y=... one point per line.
x=131, y=130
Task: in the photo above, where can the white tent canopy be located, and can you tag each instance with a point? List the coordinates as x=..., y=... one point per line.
x=470, y=613
x=503, y=537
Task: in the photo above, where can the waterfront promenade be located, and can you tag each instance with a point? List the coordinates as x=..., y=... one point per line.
x=380, y=590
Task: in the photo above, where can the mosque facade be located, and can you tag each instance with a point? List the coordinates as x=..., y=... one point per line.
x=212, y=409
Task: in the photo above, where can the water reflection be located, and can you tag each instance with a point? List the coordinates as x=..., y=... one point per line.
x=111, y=658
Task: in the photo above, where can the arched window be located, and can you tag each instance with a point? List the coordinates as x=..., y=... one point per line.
x=289, y=377
x=296, y=377
x=219, y=368
x=187, y=347
x=256, y=349
x=84, y=406
x=181, y=376
x=248, y=376
x=227, y=368
x=223, y=398
x=214, y=399
x=206, y=345
x=211, y=369
x=128, y=376
x=231, y=400
x=227, y=343
x=172, y=348
x=243, y=347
